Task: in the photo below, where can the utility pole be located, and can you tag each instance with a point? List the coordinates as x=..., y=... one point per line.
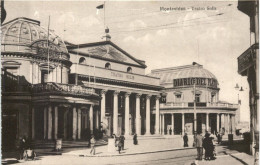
x=195, y=113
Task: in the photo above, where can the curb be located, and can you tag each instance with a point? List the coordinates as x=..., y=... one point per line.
x=127, y=154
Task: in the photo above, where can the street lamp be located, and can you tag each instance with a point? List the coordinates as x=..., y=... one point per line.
x=240, y=90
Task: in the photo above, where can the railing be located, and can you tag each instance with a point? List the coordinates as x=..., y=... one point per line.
x=247, y=58
x=190, y=104
x=68, y=88
x=50, y=87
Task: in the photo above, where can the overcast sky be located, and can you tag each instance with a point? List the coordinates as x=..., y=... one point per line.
x=213, y=38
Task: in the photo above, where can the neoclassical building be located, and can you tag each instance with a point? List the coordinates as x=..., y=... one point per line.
x=54, y=90
x=183, y=85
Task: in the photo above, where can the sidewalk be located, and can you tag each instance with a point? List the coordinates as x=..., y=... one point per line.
x=231, y=159
x=143, y=147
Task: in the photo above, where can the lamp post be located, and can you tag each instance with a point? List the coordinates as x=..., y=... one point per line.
x=240, y=90
x=195, y=113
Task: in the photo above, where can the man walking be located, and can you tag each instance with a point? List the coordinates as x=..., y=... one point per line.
x=198, y=145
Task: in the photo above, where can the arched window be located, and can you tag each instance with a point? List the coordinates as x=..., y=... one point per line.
x=108, y=66
x=82, y=60
x=129, y=69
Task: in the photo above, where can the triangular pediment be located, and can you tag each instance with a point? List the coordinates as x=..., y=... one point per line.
x=106, y=50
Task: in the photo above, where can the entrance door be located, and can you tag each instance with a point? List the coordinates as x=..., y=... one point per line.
x=9, y=130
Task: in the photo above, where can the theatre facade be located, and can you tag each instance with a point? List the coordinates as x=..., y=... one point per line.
x=53, y=90
x=186, y=86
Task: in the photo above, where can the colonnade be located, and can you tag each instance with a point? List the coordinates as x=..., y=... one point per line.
x=137, y=110
x=223, y=120
x=50, y=121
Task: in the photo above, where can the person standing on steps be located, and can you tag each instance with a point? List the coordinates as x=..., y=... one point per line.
x=92, y=145
x=185, y=140
x=135, y=139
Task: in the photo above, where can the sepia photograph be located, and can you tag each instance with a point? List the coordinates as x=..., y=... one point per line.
x=130, y=82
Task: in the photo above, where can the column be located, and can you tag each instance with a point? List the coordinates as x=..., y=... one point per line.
x=229, y=123
x=55, y=122
x=58, y=74
x=183, y=123
x=115, y=113
x=97, y=120
x=157, y=115
x=217, y=122
x=32, y=71
x=74, y=123
x=226, y=123
x=33, y=123
x=148, y=115
x=172, y=123
x=103, y=105
x=138, y=115
x=79, y=123
x=233, y=124
x=222, y=125
x=163, y=129
x=38, y=73
x=91, y=118
x=45, y=122
x=127, y=113
x=160, y=124
x=49, y=122
x=207, y=121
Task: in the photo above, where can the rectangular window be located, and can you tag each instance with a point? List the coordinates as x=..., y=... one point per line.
x=178, y=98
x=197, y=98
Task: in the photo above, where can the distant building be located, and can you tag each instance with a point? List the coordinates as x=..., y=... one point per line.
x=182, y=85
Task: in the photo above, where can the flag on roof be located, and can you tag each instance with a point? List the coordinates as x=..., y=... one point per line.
x=99, y=7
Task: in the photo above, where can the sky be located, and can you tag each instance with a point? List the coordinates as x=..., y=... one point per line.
x=162, y=38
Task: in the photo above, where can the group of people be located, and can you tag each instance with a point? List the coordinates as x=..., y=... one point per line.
x=206, y=142
x=119, y=142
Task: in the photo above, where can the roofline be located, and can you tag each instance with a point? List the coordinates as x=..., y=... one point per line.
x=24, y=18
x=103, y=43
x=103, y=58
x=176, y=68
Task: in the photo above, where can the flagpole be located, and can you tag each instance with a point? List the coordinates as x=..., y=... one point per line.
x=77, y=66
x=104, y=14
x=48, y=49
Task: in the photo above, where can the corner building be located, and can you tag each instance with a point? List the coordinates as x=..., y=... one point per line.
x=54, y=90
x=183, y=85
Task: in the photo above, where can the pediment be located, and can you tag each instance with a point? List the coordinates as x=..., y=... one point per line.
x=107, y=51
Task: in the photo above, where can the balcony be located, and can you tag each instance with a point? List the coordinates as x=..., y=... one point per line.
x=49, y=88
x=199, y=105
x=247, y=59
x=62, y=88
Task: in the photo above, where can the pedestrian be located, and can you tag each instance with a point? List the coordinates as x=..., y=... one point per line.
x=22, y=146
x=198, y=144
x=219, y=137
x=208, y=146
x=119, y=145
x=135, y=139
x=185, y=140
x=170, y=131
x=92, y=145
x=122, y=140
